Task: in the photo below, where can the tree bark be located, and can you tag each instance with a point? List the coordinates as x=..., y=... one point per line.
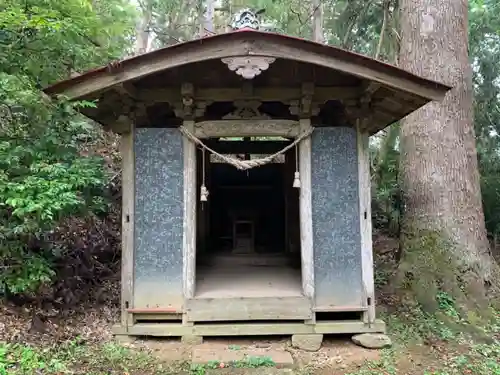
x=385, y=9
x=143, y=32
x=439, y=168
x=317, y=18
x=208, y=23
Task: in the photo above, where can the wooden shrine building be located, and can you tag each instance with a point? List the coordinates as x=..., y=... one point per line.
x=246, y=182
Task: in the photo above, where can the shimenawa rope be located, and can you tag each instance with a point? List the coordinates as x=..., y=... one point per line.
x=246, y=164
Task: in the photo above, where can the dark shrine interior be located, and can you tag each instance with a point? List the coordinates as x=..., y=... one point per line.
x=246, y=205
x=253, y=195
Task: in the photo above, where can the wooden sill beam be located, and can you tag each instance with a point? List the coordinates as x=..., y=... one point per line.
x=173, y=310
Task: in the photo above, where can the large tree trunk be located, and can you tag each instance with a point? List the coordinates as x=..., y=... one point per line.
x=439, y=169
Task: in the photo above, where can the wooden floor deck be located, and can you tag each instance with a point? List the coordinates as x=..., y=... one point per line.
x=230, y=281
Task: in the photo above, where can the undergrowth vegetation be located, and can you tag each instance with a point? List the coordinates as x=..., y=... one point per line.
x=432, y=303
x=76, y=358
x=454, y=346
x=445, y=347
x=50, y=173
x=43, y=179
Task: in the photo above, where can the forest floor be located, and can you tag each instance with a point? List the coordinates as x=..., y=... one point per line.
x=47, y=341
x=338, y=356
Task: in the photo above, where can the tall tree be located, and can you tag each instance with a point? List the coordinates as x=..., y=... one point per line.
x=317, y=20
x=208, y=22
x=439, y=169
x=144, y=27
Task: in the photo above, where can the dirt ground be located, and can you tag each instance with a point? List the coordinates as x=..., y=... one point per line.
x=42, y=326
x=93, y=327
x=338, y=355
x=335, y=352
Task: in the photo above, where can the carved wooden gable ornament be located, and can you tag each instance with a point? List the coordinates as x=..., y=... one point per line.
x=247, y=66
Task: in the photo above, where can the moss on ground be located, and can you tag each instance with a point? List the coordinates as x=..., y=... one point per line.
x=433, y=280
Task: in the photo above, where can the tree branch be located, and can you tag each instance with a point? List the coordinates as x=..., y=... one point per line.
x=385, y=6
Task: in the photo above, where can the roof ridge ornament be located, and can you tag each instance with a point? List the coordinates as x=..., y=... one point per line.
x=247, y=18
x=247, y=66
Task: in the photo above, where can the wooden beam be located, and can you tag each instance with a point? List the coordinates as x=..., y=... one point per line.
x=268, y=94
x=365, y=221
x=173, y=310
x=162, y=317
x=189, y=225
x=127, y=88
x=341, y=308
x=246, y=147
x=254, y=308
x=246, y=128
x=250, y=328
x=122, y=125
x=387, y=112
x=128, y=205
x=306, y=227
x=369, y=88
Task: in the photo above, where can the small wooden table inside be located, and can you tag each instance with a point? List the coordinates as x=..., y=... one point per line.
x=243, y=237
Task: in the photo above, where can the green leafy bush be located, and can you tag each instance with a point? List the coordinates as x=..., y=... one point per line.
x=43, y=179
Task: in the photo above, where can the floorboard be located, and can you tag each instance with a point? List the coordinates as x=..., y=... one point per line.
x=230, y=281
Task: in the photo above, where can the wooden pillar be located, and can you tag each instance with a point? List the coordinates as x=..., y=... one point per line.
x=189, y=225
x=365, y=223
x=128, y=206
x=202, y=207
x=206, y=212
x=286, y=189
x=292, y=220
x=199, y=212
x=306, y=228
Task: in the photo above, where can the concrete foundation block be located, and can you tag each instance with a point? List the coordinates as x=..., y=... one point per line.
x=372, y=340
x=308, y=342
x=192, y=340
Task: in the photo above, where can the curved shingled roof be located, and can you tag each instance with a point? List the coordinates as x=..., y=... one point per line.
x=251, y=42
